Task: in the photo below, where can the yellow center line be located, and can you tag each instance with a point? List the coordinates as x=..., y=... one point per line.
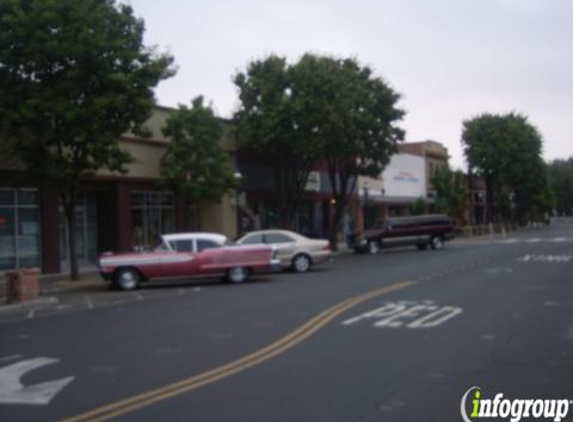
x=139, y=401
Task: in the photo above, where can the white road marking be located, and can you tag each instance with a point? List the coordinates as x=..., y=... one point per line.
x=13, y=392
x=533, y=240
x=412, y=315
x=10, y=357
x=89, y=302
x=509, y=241
x=546, y=258
x=498, y=270
x=31, y=314
x=559, y=239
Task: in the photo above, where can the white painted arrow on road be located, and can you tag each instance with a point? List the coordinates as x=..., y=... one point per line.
x=12, y=391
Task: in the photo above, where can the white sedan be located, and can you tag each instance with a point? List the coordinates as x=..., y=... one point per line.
x=295, y=251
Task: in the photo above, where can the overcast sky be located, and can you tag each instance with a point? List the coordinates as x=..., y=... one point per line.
x=450, y=59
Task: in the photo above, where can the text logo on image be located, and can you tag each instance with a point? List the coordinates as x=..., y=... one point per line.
x=474, y=406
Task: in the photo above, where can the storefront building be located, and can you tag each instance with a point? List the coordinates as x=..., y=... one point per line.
x=401, y=184
x=259, y=205
x=113, y=213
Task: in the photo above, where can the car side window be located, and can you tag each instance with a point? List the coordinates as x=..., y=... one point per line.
x=183, y=246
x=252, y=239
x=203, y=244
x=277, y=238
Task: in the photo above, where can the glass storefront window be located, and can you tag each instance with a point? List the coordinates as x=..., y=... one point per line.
x=19, y=229
x=152, y=214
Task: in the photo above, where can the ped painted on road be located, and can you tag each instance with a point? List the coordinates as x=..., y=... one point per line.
x=116, y=409
x=408, y=314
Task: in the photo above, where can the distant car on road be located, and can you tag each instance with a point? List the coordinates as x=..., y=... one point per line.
x=187, y=255
x=295, y=251
x=422, y=231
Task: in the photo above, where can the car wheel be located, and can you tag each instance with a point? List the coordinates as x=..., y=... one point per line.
x=373, y=247
x=422, y=246
x=237, y=275
x=301, y=263
x=126, y=279
x=437, y=242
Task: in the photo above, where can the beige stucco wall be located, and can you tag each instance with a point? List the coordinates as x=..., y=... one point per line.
x=220, y=218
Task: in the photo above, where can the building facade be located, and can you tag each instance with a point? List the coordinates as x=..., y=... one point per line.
x=259, y=199
x=401, y=184
x=114, y=212
x=434, y=154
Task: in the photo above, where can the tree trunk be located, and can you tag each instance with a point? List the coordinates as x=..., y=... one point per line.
x=488, y=200
x=337, y=220
x=70, y=211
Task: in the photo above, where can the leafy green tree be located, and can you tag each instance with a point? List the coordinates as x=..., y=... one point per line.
x=419, y=207
x=505, y=150
x=561, y=173
x=270, y=126
x=351, y=114
x=74, y=76
x=194, y=165
x=451, y=191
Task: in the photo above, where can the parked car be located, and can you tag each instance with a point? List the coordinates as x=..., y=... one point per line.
x=187, y=255
x=422, y=231
x=295, y=251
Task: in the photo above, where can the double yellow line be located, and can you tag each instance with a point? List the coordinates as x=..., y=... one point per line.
x=139, y=401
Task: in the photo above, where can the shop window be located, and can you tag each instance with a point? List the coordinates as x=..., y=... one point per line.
x=19, y=229
x=152, y=215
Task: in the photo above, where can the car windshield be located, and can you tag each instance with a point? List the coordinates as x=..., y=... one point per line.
x=162, y=246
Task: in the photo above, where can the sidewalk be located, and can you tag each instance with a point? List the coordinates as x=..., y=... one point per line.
x=53, y=284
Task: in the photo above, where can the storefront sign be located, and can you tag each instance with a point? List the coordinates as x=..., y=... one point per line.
x=405, y=176
x=313, y=182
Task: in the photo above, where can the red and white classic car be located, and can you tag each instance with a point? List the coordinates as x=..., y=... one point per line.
x=187, y=255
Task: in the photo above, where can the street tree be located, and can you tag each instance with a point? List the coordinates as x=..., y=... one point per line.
x=195, y=166
x=451, y=191
x=561, y=173
x=351, y=115
x=74, y=76
x=269, y=125
x=505, y=150
x=419, y=206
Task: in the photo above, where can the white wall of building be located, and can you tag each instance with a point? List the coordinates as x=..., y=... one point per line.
x=404, y=176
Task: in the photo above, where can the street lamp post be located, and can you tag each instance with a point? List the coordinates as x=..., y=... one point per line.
x=238, y=177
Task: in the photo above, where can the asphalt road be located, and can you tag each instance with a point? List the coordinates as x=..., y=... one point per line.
x=400, y=336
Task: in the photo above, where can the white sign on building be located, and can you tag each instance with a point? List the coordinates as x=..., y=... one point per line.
x=405, y=176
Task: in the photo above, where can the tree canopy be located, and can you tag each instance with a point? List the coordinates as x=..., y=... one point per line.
x=451, y=191
x=351, y=114
x=272, y=124
x=506, y=151
x=561, y=174
x=318, y=110
x=194, y=165
x=74, y=77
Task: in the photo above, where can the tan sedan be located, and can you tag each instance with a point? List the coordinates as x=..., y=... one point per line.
x=295, y=251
